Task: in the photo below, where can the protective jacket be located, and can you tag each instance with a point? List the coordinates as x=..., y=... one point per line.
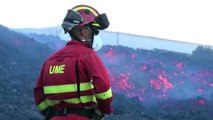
x=73, y=77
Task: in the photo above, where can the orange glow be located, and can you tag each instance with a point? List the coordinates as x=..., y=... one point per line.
x=167, y=85
x=201, y=102
x=109, y=53
x=179, y=65
x=133, y=56
x=143, y=67
x=200, y=90
x=156, y=84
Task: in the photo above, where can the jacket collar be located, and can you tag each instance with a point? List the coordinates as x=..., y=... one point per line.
x=76, y=42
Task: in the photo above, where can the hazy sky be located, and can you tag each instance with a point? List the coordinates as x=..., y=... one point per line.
x=182, y=20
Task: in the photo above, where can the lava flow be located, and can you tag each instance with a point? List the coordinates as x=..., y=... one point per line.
x=148, y=74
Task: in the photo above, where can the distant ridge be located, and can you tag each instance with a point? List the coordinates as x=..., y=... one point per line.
x=123, y=39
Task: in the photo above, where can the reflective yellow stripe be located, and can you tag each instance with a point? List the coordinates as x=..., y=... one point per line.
x=54, y=89
x=90, y=9
x=96, y=24
x=87, y=8
x=42, y=106
x=83, y=99
x=104, y=95
x=46, y=103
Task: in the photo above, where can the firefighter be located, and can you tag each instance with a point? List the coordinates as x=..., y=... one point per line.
x=74, y=83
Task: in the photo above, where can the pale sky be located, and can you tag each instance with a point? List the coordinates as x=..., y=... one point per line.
x=181, y=20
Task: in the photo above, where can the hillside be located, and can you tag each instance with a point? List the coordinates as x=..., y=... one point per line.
x=147, y=84
x=53, y=42
x=21, y=59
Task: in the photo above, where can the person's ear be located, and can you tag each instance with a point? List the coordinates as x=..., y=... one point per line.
x=84, y=32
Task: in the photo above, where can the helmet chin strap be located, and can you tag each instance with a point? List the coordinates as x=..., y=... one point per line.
x=94, y=43
x=89, y=41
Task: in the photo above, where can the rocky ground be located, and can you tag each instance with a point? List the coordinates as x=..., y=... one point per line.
x=17, y=103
